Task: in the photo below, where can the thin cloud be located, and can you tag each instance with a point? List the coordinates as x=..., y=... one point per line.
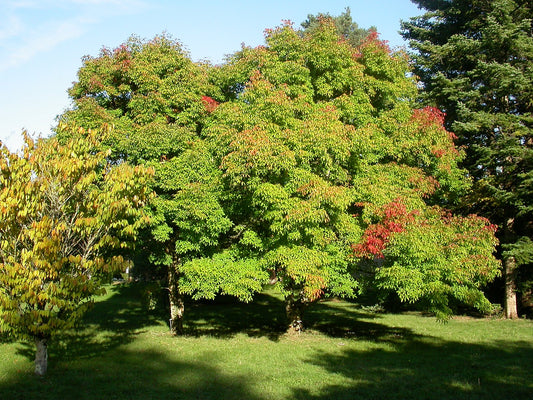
x=130, y=4
x=40, y=4
x=21, y=41
x=11, y=27
x=42, y=40
x=13, y=4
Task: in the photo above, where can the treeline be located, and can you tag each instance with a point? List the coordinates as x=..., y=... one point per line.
x=308, y=162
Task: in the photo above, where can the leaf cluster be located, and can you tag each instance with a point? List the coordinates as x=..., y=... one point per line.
x=475, y=62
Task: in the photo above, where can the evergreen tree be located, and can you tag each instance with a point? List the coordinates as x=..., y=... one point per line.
x=346, y=27
x=475, y=61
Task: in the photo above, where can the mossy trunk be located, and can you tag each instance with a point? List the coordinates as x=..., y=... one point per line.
x=295, y=308
x=511, y=307
x=177, y=306
x=41, y=356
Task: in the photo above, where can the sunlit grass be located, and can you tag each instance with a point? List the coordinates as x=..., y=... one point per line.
x=239, y=351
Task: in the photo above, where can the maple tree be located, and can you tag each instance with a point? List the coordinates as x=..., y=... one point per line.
x=158, y=100
x=432, y=258
x=304, y=160
x=67, y=219
x=317, y=140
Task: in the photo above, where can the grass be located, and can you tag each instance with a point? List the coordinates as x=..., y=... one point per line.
x=238, y=351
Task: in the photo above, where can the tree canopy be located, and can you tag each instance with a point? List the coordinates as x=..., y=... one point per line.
x=305, y=160
x=158, y=100
x=475, y=60
x=321, y=141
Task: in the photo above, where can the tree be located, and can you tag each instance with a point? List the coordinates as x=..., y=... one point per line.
x=475, y=60
x=158, y=100
x=319, y=139
x=66, y=219
x=346, y=27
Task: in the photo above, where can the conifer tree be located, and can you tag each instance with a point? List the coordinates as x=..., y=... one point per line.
x=475, y=60
x=346, y=27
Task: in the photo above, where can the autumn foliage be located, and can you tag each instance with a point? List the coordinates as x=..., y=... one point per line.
x=375, y=239
x=67, y=219
x=321, y=129
x=209, y=104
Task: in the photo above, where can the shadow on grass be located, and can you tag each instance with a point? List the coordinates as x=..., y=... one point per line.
x=110, y=323
x=427, y=368
x=225, y=317
x=91, y=363
x=141, y=375
x=396, y=363
x=345, y=320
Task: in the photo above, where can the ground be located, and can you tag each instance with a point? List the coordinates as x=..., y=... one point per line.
x=239, y=351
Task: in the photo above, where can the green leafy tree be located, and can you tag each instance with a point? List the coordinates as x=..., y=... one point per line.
x=317, y=140
x=475, y=60
x=158, y=101
x=66, y=219
x=418, y=267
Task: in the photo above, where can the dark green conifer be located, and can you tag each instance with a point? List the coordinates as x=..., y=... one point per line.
x=475, y=61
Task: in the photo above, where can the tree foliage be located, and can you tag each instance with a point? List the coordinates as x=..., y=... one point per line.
x=347, y=28
x=67, y=220
x=158, y=100
x=475, y=60
x=319, y=138
x=291, y=161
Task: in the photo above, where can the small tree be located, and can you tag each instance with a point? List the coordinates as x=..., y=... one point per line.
x=66, y=218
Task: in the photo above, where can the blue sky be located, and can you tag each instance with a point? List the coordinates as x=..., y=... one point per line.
x=42, y=41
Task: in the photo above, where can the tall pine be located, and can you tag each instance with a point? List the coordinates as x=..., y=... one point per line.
x=475, y=61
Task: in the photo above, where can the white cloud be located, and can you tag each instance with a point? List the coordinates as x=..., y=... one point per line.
x=133, y=4
x=21, y=39
x=40, y=4
x=15, y=4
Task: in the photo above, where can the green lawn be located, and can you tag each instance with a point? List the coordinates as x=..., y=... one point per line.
x=238, y=351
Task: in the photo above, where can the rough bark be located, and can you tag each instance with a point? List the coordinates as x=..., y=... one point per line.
x=41, y=356
x=295, y=307
x=177, y=306
x=510, y=274
x=511, y=307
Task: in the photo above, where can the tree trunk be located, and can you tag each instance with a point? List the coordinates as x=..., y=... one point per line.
x=511, y=308
x=41, y=357
x=177, y=306
x=295, y=307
